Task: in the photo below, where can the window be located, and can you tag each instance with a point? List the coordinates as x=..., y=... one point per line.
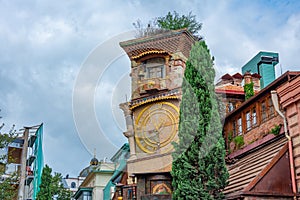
x=154, y=67
x=264, y=111
x=230, y=106
x=254, y=120
x=267, y=109
x=251, y=119
x=248, y=120
x=73, y=185
x=161, y=187
x=239, y=126
x=85, y=195
x=270, y=107
x=234, y=128
x=155, y=72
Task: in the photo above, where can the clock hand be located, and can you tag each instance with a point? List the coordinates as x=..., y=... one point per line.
x=160, y=124
x=155, y=125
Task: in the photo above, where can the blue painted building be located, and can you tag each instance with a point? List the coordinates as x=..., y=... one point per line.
x=263, y=64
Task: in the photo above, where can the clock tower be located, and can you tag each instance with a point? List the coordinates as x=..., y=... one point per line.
x=152, y=114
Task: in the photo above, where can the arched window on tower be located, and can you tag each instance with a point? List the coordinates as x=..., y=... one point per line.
x=73, y=185
x=155, y=68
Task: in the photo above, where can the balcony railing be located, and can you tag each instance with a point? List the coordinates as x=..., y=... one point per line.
x=153, y=84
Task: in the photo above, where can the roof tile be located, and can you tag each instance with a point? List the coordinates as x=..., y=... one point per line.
x=244, y=170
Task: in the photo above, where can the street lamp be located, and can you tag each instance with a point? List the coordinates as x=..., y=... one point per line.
x=119, y=190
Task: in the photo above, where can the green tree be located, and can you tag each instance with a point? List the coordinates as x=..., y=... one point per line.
x=51, y=186
x=60, y=192
x=199, y=170
x=173, y=21
x=8, y=186
x=8, y=182
x=45, y=192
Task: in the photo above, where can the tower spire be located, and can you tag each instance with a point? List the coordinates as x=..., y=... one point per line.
x=94, y=161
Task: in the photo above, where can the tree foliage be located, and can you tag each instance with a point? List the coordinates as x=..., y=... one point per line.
x=8, y=182
x=51, y=186
x=173, y=21
x=8, y=186
x=249, y=90
x=199, y=170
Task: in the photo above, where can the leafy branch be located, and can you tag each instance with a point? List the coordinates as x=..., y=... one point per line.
x=249, y=91
x=172, y=21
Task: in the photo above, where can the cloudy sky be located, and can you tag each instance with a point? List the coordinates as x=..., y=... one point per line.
x=47, y=49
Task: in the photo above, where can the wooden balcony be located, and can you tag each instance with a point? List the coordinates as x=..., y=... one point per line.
x=153, y=85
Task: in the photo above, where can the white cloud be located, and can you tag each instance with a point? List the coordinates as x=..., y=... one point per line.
x=47, y=29
x=286, y=41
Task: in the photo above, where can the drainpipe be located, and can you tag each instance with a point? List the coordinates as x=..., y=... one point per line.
x=274, y=97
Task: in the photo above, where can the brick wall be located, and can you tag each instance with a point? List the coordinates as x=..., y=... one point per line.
x=293, y=114
x=289, y=95
x=262, y=130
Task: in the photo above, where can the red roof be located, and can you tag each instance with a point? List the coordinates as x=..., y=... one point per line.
x=169, y=42
x=226, y=77
x=256, y=75
x=247, y=171
x=224, y=91
x=237, y=76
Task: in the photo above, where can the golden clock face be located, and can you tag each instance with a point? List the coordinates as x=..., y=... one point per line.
x=156, y=127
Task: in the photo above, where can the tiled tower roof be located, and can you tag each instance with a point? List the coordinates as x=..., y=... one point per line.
x=168, y=42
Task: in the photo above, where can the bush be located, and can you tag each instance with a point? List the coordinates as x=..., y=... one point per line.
x=239, y=141
x=275, y=130
x=249, y=91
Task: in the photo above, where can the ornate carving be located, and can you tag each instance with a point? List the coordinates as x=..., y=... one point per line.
x=128, y=134
x=125, y=108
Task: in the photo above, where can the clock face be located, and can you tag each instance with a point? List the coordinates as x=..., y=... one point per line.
x=156, y=127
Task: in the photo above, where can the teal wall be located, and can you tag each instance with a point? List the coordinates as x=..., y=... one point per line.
x=106, y=190
x=120, y=158
x=264, y=67
x=267, y=72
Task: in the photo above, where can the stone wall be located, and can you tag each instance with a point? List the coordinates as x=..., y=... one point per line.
x=150, y=164
x=173, y=74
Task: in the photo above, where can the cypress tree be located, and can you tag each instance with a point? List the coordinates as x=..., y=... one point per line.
x=199, y=170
